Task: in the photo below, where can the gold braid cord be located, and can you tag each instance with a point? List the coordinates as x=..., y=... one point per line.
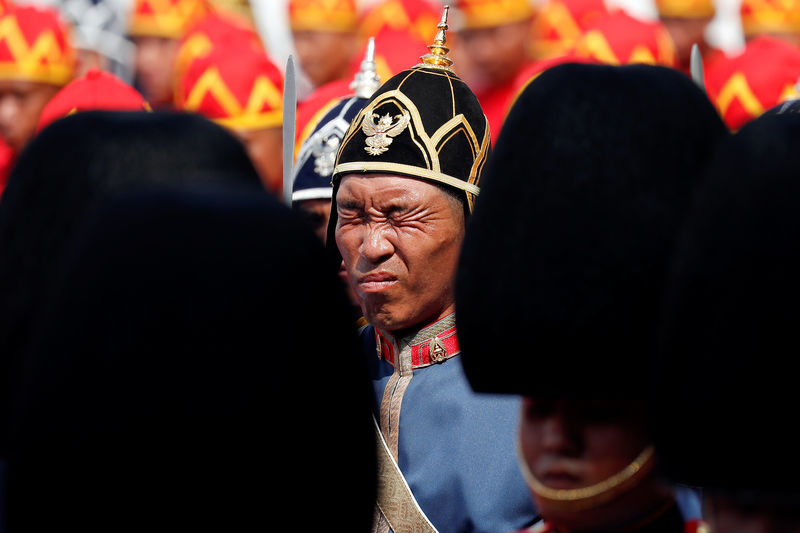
x=395, y=501
x=594, y=495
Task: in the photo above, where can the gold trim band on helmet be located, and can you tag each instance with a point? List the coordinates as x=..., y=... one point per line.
x=491, y=14
x=675, y=12
x=310, y=19
x=57, y=75
x=408, y=170
x=757, y=27
x=271, y=119
x=594, y=495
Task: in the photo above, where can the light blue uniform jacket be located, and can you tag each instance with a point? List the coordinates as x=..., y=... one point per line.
x=456, y=448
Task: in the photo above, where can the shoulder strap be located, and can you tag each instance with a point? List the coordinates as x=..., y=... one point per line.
x=395, y=500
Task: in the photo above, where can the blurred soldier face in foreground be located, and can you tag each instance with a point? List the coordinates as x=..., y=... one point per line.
x=21, y=103
x=324, y=56
x=400, y=238
x=153, y=68
x=494, y=54
x=571, y=444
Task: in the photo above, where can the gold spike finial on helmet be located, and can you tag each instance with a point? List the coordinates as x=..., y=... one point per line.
x=437, y=57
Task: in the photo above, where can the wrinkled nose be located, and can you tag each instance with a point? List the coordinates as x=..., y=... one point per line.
x=376, y=246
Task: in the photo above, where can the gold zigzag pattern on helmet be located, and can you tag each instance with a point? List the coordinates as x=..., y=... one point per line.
x=331, y=15
x=558, y=18
x=737, y=89
x=685, y=8
x=483, y=13
x=763, y=16
x=212, y=83
x=45, y=47
x=167, y=15
x=770, y=7
x=393, y=15
x=196, y=45
x=594, y=44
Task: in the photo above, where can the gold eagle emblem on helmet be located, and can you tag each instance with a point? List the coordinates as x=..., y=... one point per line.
x=380, y=132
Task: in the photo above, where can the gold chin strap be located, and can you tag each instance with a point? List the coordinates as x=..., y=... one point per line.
x=594, y=495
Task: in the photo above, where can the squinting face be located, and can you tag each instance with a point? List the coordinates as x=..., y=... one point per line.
x=400, y=238
x=21, y=104
x=571, y=444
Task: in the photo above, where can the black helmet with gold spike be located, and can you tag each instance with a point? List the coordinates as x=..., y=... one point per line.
x=424, y=123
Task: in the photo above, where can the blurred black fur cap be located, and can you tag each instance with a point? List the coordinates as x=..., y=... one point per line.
x=565, y=257
x=725, y=401
x=178, y=378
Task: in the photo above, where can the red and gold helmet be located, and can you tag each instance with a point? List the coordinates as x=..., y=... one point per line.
x=323, y=15
x=234, y=85
x=215, y=29
x=97, y=90
x=745, y=85
x=412, y=17
x=489, y=13
x=402, y=31
x=769, y=16
x=619, y=39
x=35, y=46
x=559, y=24
x=686, y=9
x=165, y=18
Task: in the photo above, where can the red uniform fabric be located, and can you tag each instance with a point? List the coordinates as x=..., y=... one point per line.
x=496, y=102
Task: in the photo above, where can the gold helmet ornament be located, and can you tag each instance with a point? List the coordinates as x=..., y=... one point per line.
x=423, y=123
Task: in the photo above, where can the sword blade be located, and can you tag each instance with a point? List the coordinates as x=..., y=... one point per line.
x=696, y=67
x=289, y=116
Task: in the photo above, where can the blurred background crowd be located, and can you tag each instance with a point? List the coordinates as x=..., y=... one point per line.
x=104, y=295
x=225, y=59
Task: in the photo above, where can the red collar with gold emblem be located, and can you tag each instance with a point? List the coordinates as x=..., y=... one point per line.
x=432, y=345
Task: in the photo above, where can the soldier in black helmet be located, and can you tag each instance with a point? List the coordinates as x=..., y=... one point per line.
x=405, y=181
x=561, y=276
x=732, y=318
